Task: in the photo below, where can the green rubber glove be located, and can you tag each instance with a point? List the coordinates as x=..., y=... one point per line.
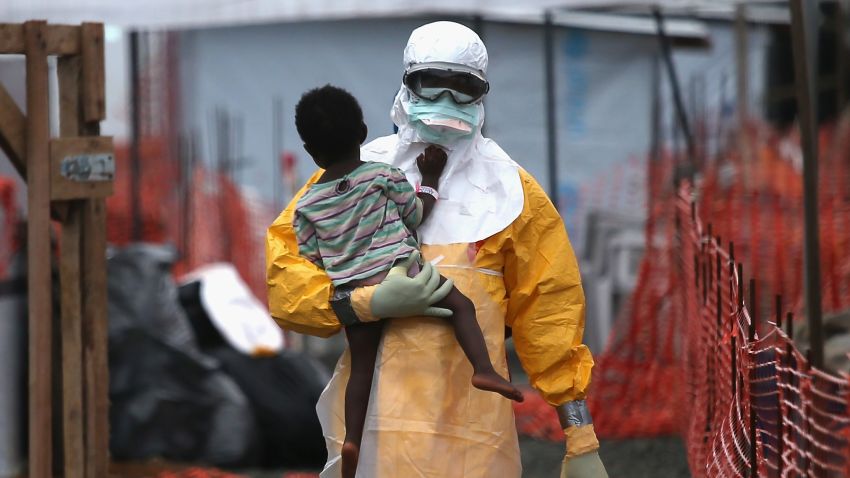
x=588, y=465
x=401, y=296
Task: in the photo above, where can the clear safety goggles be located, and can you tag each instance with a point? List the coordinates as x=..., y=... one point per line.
x=429, y=81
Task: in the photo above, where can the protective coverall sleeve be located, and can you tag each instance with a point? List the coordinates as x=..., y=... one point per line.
x=299, y=292
x=545, y=307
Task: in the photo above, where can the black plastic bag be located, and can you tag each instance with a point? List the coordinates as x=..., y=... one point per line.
x=283, y=389
x=168, y=399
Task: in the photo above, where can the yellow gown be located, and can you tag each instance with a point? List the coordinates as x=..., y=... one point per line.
x=424, y=418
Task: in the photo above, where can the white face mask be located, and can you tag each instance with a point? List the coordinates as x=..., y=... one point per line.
x=442, y=121
x=447, y=125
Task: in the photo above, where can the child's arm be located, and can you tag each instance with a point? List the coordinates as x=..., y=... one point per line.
x=431, y=164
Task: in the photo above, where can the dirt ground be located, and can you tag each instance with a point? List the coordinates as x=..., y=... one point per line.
x=649, y=458
x=636, y=458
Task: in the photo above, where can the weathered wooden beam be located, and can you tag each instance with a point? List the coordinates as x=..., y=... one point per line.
x=73, y=419
x=38, y=252
x=69, y=71
x=95, y=338
x=60, y=39
x=13, y=125
x=72, y=345
x=95, y=332
x=94, y=79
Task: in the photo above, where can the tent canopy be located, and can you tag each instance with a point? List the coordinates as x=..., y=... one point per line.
x=200, y=13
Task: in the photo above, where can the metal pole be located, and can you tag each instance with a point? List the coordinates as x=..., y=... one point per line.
x=841, y=56
x=751, y=335
x=780, y=425
x=135, y=133
x=720, y=130
x=806, y=114
x=681, y=114
x=742, y=73
x=742, y=62
x=183, y=181
x=551, y=116
x=653, y=165
x=277, y=147
x=655, y=112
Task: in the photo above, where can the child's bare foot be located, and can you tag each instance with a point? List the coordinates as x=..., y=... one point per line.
x=493, y=382
x=350, y=454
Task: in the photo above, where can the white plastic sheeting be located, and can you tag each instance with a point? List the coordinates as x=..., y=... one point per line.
x=234, y=311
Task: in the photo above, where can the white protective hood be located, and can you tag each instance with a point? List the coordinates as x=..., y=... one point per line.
x=480, y=189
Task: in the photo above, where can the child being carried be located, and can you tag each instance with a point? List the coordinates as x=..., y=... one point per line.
x=357, y=222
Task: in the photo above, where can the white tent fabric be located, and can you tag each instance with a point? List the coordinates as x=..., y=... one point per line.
x=197, y=13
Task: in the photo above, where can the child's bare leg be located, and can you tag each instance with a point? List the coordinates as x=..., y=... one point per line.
x=471, y=340
x=363, y=341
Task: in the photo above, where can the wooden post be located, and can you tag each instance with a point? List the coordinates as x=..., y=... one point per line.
x=38, y=252
x=72, y=347
x=69, y=280
x=79, y=204
x=95, y=338
x=95, y=333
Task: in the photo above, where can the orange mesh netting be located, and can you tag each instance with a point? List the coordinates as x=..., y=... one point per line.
x=646, y=340
x=750, y=385
x=191, y=202
x=8, y=222
x=685, y=356
x=204, y=214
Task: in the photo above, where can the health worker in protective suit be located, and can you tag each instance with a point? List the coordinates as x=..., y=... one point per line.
x=497, y=236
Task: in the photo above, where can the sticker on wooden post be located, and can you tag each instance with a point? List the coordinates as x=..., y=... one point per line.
x=81, y=168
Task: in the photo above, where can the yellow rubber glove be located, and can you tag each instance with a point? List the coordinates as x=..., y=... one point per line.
x=582, y=457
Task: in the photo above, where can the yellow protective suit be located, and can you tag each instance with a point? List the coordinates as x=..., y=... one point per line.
x=424, y=418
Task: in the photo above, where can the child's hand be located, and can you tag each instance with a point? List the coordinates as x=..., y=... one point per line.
x=431, y=163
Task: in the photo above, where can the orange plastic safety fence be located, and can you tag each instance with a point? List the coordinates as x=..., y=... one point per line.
x=635, y=383
x=692, y=355
x=758, y=407
x=201, y=212
x=8, y=224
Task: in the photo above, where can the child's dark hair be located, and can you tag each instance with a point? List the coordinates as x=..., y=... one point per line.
x=329, y=121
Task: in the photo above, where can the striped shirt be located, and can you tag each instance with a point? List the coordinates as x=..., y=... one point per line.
x=357, y=232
